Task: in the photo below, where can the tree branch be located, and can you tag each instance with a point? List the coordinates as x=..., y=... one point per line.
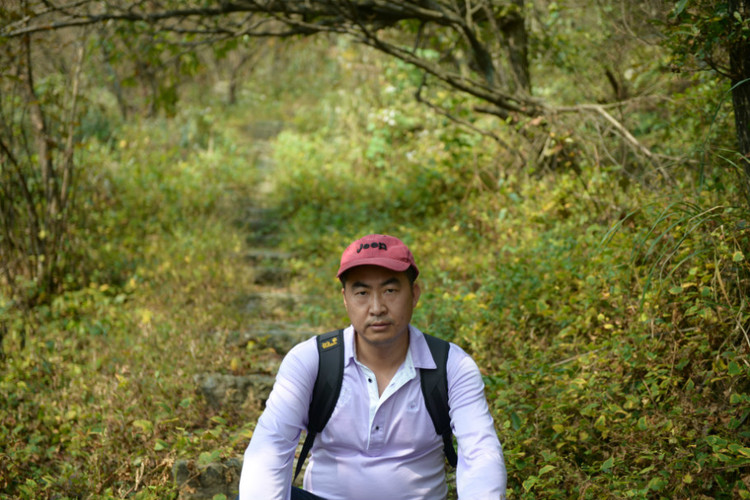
x=442, y=111
x=616, y=124
x=619, y=127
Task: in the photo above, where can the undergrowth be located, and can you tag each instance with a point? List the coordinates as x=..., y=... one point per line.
x=610, y=323
x=102, y=400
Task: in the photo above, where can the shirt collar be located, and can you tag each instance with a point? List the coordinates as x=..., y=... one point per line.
x=418, y=348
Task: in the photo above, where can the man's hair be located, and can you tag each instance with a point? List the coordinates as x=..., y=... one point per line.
x=411, y=275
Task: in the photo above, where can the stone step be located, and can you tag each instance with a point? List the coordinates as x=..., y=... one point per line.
x=260, y=239
x=256, y=225
x=203, y=482
x=271, y=304
x=271, y=275
x=197, y=481
x=253, y=214
x=276, y=336
x=264, y=163
x=261, y=255
x=264, y=129
x=222, y=390
x=263, y=234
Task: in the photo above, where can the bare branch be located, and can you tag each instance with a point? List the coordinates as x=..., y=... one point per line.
x=616, y=124
x=71, y=122
x=484, y=47
x=619, y=127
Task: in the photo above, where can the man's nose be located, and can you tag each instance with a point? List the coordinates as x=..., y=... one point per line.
x=377, y=305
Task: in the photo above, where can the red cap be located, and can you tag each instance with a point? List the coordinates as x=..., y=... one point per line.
x=377, y=250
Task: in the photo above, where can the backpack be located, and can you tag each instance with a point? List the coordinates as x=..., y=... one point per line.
x=330, y=377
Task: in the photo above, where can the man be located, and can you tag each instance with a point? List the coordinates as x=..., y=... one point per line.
x=380, y=443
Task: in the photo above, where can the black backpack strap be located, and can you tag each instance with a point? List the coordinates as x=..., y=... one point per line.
x=326, y=390
x=435, y=391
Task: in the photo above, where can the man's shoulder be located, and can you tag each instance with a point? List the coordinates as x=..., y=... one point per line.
x=302, y=357
x=306, y=351
x=304, y=347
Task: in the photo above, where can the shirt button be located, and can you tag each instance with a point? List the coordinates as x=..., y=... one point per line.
x=369, y=380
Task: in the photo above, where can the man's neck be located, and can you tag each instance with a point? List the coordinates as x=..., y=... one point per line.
x=383, y=359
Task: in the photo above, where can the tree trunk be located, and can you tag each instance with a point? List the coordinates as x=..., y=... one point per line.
x=518, y=47
x=739, y=60
x=43, y=144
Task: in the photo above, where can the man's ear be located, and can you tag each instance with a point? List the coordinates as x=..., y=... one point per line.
x=343, y=294
x=416, y=291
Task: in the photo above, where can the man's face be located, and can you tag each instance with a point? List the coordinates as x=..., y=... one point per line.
x=380, y=303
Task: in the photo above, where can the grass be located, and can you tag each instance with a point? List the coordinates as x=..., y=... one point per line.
x=102, y=400
x=616, y=361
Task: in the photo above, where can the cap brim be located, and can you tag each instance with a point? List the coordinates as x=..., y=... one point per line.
x=393, y=265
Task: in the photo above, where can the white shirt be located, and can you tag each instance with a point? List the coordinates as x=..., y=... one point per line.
x=375, y=447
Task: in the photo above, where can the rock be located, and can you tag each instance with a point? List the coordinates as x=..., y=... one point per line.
x=257, y=219
x=221, y=389
x=202, y=482
x=271, y=303
x=261, y=224
x=259, y=255
x=264, y=129
x=275, y=336
x=271, y=276
x=263, y=237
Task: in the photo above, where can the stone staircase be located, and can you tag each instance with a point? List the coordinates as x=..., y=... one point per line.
x=269, y=303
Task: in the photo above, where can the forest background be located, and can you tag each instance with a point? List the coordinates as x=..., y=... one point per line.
x=571, y=175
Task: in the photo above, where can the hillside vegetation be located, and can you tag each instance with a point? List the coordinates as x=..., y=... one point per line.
x=605, y=300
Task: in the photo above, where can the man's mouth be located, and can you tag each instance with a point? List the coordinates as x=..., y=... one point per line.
x=379, y=325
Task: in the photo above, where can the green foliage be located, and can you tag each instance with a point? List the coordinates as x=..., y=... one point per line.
x=103, y=393
x=37, y=175
x=607, y=311
x=614, y=346
x=703, y=31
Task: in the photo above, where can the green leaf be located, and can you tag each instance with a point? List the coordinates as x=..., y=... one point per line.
x=601, y=423
x=657, y=484
x=734, y=368
x=642, y=424
x=738, y=256
x=680, y=7
x=145, y=425
x=647, y=469
x=716, y=441
x=675, y=290
x=546, y=469
x=723, y=457
x=608, y=464
x=516, y=420
x=206, y=457
x=530, y=482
